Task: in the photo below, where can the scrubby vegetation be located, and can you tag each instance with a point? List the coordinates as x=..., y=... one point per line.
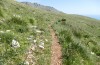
x=19, y=27
x=79, y=40
x=22, y=26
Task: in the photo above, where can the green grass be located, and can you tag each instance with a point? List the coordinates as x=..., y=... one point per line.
x=80, y=46
x=18, y=18
x=78, y=35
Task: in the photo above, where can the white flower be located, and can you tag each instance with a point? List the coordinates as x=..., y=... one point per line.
x=15, y=44
x=26, y=63
x=46, y=40
x=8, y=30
x=92, y=53
x=35, y=41
x=34, y=26
x=29, y=38
x=16, y=15
x=1, y=31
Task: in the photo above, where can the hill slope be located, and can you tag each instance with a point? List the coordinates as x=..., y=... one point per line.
x=20, y=27
x=23, y=26
x=79, y=37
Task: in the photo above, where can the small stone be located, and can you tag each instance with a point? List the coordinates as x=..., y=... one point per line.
x=15, y=44
x=26, y=63
x=40, y=46
x=33, y=63
x=33, y=48
x=38, y=31
x=29, y=52
x=30, y=56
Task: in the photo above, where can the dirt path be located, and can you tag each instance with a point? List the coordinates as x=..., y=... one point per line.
x=55, y=50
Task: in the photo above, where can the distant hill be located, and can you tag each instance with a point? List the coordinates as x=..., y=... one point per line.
x=36, y=5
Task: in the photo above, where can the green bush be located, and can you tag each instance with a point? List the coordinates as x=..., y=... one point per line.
x=65, y=36
x=6, y=37
x=76, y=32
x=21, y=29
x=96, y=50
x=17, y=24
x=17, y=21
x=32, y=21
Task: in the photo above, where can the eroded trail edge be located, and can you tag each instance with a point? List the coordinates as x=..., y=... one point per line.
x=55, y=49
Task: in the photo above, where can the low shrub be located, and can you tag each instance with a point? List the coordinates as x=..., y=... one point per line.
x=32, y=21
x=17, y=24
x=17, y=21
x=6, y=37
x=65, y=36
x=21, y=29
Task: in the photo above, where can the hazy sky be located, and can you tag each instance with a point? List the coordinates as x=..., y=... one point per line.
x=83, y=7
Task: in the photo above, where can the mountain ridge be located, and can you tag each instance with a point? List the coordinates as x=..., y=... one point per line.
x=36, y=5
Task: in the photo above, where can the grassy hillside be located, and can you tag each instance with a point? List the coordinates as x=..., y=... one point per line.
x=22, y=23
x=26, y=25
x=80, y=40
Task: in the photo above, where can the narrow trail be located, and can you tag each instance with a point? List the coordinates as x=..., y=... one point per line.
x=55, y=49
x=56, y=53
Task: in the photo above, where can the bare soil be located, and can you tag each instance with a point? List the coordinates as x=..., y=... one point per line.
x=55, y=49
